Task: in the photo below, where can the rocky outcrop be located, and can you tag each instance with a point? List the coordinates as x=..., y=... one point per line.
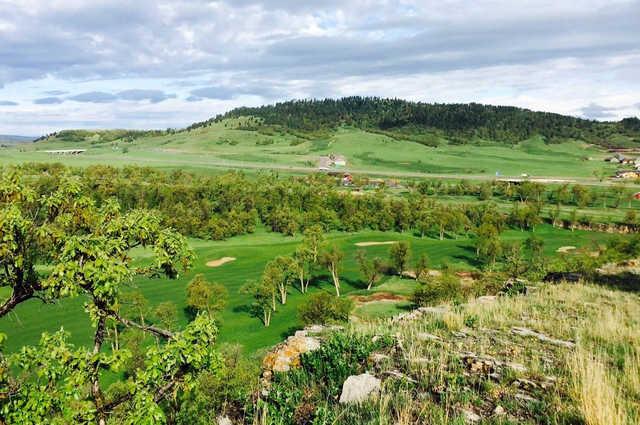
x=359, y=388
x=287, y=355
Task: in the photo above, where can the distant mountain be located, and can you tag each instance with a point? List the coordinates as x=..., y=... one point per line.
x=11, y=139
x=459, y=123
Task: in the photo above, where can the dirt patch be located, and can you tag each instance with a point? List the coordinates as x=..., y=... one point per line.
x=375, y=243
x=377, y=297
x=565, y=249
x=220, y=261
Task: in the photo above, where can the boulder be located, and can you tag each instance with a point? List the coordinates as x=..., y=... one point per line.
x=358, y=388
x=223, y=420
x=287, y=354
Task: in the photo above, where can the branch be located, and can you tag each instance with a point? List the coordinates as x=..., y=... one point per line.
x=16, y=298
x=146, y=328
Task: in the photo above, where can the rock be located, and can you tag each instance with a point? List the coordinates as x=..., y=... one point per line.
x=524, y=397
x=542, y=337
x=223, y=420
x=525, y=384
x=287, y=355
x=470, y=416
x=516, y=367
x=378, y=357
x=499, y=411
x=399, y=375
x=358, y=388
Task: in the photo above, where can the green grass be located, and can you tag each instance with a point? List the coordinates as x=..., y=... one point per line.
x=30, y=319
x=217, y=147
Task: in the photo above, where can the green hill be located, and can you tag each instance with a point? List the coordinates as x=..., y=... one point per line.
x=460, y=123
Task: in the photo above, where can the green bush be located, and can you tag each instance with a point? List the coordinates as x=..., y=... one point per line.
x=443, y=288
x=323, y=308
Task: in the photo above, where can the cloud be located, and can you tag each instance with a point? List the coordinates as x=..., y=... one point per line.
x=232, y=52
x=94, y=97
x=595, y=111
x=48, y=101
x=8, y=103
x=153, y=96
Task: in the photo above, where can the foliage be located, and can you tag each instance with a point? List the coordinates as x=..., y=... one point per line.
x=203, y=296
x=446, y=287
x=322, y=308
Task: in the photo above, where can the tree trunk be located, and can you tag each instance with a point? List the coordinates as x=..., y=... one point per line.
x=336, y=281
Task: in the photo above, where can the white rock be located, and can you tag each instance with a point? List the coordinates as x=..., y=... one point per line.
x=499, y=411
x=424, y=336
x=223, y=420
x=470, y=416
x=358, y=388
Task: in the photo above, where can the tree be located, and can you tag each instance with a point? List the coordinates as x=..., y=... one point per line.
x=134, y=304
x=203, y=296
x=488, y=244
x=313, y=240
x=422, y=267
x=167, y=314
x=331, y=257
x=263, y=304
x=303, y=264
x=321, y=308
x=534, y=246
x=399, y=256
x=87, y=252
x=370, y=269
x=280, y=274
x=514, y=260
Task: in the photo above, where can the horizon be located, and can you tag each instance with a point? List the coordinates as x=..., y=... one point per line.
x=175, y=63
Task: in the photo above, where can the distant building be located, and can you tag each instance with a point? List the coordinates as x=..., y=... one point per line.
x=66, y=152
x=331, y=162
x=628, y=174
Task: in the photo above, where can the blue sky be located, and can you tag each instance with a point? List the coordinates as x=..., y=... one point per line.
x=160, y=63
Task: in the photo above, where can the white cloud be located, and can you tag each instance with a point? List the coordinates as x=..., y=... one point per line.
x=553, y=55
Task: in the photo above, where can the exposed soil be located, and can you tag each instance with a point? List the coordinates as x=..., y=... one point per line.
x=377, y=297
x=220, y=261
x=375, y=243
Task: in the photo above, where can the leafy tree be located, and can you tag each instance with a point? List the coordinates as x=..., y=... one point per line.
x=446, y=287
x=280, y=274
x=331, y=257
x=422, y=267
x=488, y=244
x=167, y=314
x=399, y=256
x=370, y=269
x=134, y=304
x=303, y=265
x=263, y=304
x=514, y=260
x=86, y=249
x=321, y=308
x=203, y=296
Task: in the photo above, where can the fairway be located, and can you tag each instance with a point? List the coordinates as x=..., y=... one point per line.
x=222, y=147
x=252, y=252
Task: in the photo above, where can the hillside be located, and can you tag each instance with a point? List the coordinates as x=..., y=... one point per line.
x=460, y=123
x=11, y=139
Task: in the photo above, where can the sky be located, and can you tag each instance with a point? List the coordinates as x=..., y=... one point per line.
x=168, y=63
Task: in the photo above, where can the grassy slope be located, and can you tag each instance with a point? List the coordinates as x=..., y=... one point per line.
x=252, y=253
x=596, y=382
x=209, y=148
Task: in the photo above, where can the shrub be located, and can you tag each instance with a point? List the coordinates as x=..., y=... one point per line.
x=323, y=308
x=444, y=288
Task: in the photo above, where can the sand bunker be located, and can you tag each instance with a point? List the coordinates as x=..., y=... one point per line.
x=220, y=261
x=565, y=249
x=375, y=243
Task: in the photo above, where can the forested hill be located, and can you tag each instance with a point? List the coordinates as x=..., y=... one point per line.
x=501, y=123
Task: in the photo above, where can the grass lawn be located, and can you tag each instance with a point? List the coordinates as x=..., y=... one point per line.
x=219, y=147
x=30, y=319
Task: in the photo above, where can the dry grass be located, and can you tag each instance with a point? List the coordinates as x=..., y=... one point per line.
x=598, y=398
x=598, y=380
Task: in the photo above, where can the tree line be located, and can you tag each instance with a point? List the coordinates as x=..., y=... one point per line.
x=501, y=123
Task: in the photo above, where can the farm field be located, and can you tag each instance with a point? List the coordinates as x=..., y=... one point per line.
x=220, y=146
x=252, y=252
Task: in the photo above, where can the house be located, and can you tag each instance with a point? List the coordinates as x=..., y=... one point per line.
x=347, y=179
x=331, y=162
x=66, y=152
